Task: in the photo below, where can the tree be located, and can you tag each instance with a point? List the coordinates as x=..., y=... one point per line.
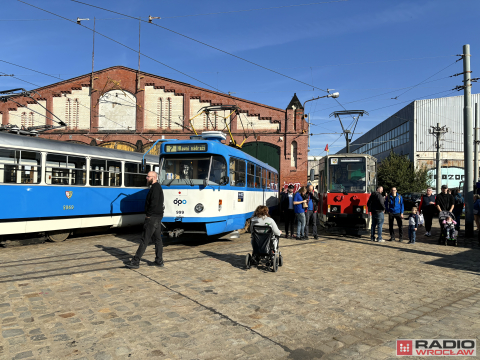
x=398, y=171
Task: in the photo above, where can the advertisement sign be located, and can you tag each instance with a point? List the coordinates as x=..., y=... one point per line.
x=451, y=176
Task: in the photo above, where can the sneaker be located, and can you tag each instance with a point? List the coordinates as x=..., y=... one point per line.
x=409, y=242
x=391, y=239
x=315, y=237
x=428, y=234
x=400, y=240
x=132, y=264
x=381, y=240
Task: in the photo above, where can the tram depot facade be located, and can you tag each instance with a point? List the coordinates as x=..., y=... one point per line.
x=129, y=110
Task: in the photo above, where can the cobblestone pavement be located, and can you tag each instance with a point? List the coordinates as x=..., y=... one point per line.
x=334, y=298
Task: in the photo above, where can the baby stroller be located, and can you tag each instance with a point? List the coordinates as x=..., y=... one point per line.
x=443, y=240
x=265, y=248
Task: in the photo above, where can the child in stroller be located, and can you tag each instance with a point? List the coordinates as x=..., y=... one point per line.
x=447, y=228
x=265, y=234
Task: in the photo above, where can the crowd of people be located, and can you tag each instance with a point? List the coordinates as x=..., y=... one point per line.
x=430, y=206
x=299, y=209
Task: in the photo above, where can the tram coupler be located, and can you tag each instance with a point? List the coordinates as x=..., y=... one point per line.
x=175, y=233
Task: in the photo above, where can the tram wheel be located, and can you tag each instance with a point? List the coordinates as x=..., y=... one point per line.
x=275, y=263
x=59, y=235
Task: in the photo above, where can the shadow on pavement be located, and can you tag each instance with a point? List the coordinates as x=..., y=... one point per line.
x=466, y=260
x=235, y=260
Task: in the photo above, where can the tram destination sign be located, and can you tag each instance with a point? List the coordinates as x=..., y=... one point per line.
x=185, y=148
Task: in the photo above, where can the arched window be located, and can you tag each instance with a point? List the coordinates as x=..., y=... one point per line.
x=24, y=119
x=159, y=112
x=67, y=111
x=75, y=114
x=293, y=154
x=169, y=110
x=30, y=119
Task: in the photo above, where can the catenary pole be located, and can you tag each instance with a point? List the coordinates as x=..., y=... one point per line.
x=438, y=162
x=477, y=138
x=468, y=141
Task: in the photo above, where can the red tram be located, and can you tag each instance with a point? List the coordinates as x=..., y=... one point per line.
x=344, y=186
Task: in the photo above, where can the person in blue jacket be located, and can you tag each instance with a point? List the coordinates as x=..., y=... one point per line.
x=394, y=208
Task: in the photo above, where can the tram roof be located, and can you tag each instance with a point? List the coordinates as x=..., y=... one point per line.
x=220, y=148
x=55, y=146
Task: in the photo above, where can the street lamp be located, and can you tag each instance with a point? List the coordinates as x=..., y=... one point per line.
x=333, y=95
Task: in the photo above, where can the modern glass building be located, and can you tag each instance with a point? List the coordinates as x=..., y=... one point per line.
x=407, y=133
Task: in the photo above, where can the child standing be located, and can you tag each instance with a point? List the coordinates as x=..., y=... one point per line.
x=449, y=225
x=412, y=225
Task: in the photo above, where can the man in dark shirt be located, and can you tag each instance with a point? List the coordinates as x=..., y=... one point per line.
x=152, y=227
x=376, y=205
x=445, y=201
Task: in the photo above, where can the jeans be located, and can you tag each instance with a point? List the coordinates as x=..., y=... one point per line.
x=377, y=219
x=397, y=217
x=289, y=218
x=411, y=233
x=152, y=229
x=450, y=232
x=311, y=218
x=300, y=225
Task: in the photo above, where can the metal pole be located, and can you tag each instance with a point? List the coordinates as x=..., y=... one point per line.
x=477, y=138
x=348, y=144
x=438, y=162
x=468, y=141
x=309, y=132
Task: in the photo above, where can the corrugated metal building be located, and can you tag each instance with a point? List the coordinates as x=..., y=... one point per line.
x=407, y=132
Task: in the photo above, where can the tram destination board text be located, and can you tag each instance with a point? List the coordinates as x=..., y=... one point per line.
x=186, y=148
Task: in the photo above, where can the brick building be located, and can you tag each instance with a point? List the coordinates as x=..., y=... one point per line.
x=121, y=108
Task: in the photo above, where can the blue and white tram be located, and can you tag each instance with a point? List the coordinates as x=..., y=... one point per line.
x=212, y=188
x=55, y=187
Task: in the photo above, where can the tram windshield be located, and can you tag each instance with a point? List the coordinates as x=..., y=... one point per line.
x=347, y=174
x=193, y=170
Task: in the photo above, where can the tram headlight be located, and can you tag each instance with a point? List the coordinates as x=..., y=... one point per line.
x=198, y=208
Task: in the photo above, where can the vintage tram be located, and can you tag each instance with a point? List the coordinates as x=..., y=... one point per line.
x=344, y=186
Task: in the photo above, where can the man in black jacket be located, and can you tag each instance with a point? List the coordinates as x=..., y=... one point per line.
x=287, y=210
x=311, y=213
x=376, y=205
x=152, y=227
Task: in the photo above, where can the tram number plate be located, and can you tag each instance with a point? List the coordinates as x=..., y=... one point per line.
x=180, y=212
x=67, y=207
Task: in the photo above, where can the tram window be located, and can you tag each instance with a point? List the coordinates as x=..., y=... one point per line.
x=264, y=178
x=114, y=173
x=250, y=175
x=65, y=170
x=237, y=172
x=20, y=167
x=258, y=173
x=347, y=175
x=218, y=171
x=184, y=170
x=269, y=180
x=134, y=176
x=97, y=169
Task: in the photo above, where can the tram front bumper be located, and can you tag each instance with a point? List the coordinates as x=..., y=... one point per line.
x=347, y=224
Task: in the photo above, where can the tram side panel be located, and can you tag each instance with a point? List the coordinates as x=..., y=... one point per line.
x=38, y=208
x=224, y=210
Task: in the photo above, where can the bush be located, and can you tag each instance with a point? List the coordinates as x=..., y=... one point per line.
x=398, y=171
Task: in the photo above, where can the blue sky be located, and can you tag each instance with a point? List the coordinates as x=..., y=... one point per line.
x=370, y=51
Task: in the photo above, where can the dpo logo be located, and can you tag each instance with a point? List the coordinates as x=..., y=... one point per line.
x=179, y=202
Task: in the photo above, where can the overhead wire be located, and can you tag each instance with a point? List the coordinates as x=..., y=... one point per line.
x=202, y=43
x=216, y=13
x=120, y=43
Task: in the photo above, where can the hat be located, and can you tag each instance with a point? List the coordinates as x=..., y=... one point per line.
x=291, y=186
x=444, y=187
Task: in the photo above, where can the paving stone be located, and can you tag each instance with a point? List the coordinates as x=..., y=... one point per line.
x=12, y=332
x=23, y=355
